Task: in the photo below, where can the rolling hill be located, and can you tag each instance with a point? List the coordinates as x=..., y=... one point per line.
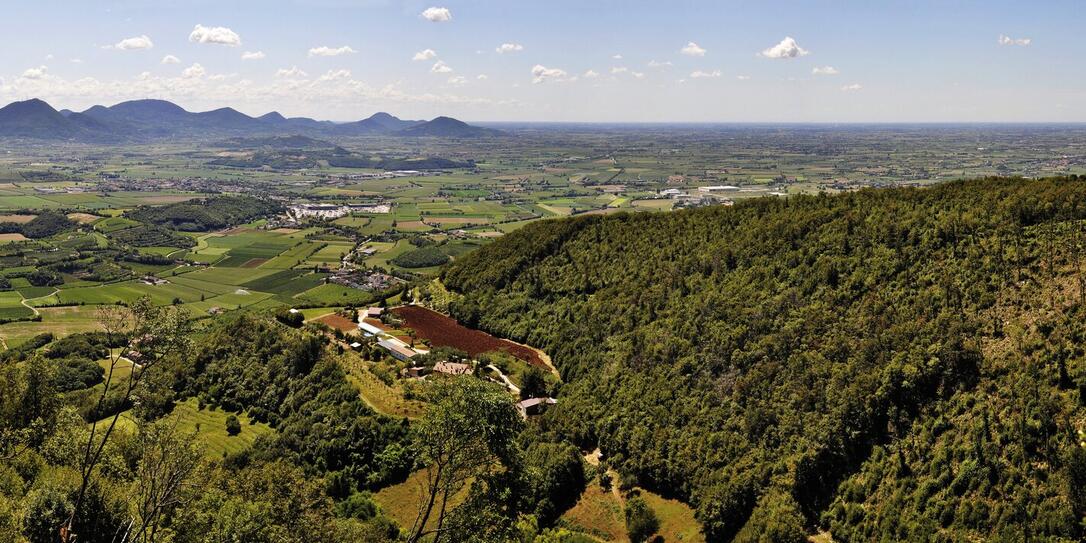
x=890, y=365
x=137, y=120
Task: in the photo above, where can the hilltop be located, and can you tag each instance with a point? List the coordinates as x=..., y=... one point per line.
x=899, y=364
x=157, y=119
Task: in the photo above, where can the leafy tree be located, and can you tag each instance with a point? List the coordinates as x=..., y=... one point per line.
x=467, y=433
x=233, y=427
x=641, y=521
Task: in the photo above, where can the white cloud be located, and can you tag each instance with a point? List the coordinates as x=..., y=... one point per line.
x=133, y=44
x=325, y=51
x=482, y=77
x=743, y=77
x=170, y=59
x=49, y=56
x=825, y=70
x=194, y=71
x=616, y=57
x=658, y=64
x=1007, y=40
x=457, y=80
x=292, y=73
x=76, y=61
x=619, y=70
x=692, y=50
x=253, y=55
x=787, y=48
x=335, y=75
x=440, y=67
x=425, y=54
x=217, y=35
x=338, y=95
x=509, y=48
x=591, y=74
x=542, y=74
x=638, y=75
x=699, y=74
x=35, y=73
x=437, y=15
x=852, y=87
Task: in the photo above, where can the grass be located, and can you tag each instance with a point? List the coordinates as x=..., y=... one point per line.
x=381, y=397
x=209, y=427
x=600, y=514
x=400, y=502
x=60, y=321
x=597, y=513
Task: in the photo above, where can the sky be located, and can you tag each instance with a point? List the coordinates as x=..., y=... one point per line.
x=559, y=60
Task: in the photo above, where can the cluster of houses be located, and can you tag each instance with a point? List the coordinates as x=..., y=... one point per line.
x=364, y=279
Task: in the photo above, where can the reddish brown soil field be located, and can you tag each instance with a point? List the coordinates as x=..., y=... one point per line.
x=254, y=262
x=341, y=323
x=443, y=331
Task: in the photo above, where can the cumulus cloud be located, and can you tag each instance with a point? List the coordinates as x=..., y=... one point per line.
x=170, y=59
x=509, y=48
x=743, y=77
x=194, y=71
x=482, y=77
x=616, y=57
x=787, y=48
x=619, y=70
x=591, y=74
x=542, y=74
x=700, y=74
x=292, y=73
x=335, y=75
x=1007, y=40
x=659, y=64
x=440, y=67
x=852, y=87
x=436, y=15
x=325, y=51
x=253, y=55
x=216, y=35
x=638, y=75
x=825, y=70
x=457, y=80
x=133, y=44
x=35, y=73
x=425, y=54
x=692, y=50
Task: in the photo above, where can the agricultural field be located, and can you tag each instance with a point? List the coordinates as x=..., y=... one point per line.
x=91, y=225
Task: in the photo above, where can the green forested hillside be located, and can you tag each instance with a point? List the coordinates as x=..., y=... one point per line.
x=900, y=364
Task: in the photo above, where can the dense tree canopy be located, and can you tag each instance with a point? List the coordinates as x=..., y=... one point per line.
x=818, y=361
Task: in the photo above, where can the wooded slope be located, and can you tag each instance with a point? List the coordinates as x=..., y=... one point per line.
x=900, y=364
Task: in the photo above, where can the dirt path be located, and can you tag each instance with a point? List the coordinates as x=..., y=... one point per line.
x=509, y=384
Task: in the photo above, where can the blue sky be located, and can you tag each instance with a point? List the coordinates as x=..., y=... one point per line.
x=689, y=61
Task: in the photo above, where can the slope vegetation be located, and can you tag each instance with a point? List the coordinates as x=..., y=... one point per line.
x=900, y=364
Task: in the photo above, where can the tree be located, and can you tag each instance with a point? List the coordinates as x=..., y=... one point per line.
x=233, y=427
x=166, y=466
x=149, y=335
x=641, y=521
x=533, y=383
x=467, y=434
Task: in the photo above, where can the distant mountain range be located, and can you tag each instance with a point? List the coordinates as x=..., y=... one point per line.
x=139, y=120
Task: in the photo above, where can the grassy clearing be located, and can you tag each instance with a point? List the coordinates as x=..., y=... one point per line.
x=210, y=428
x=381, y=397
x=597, y=513
x=60, y=321
x=400, y=502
